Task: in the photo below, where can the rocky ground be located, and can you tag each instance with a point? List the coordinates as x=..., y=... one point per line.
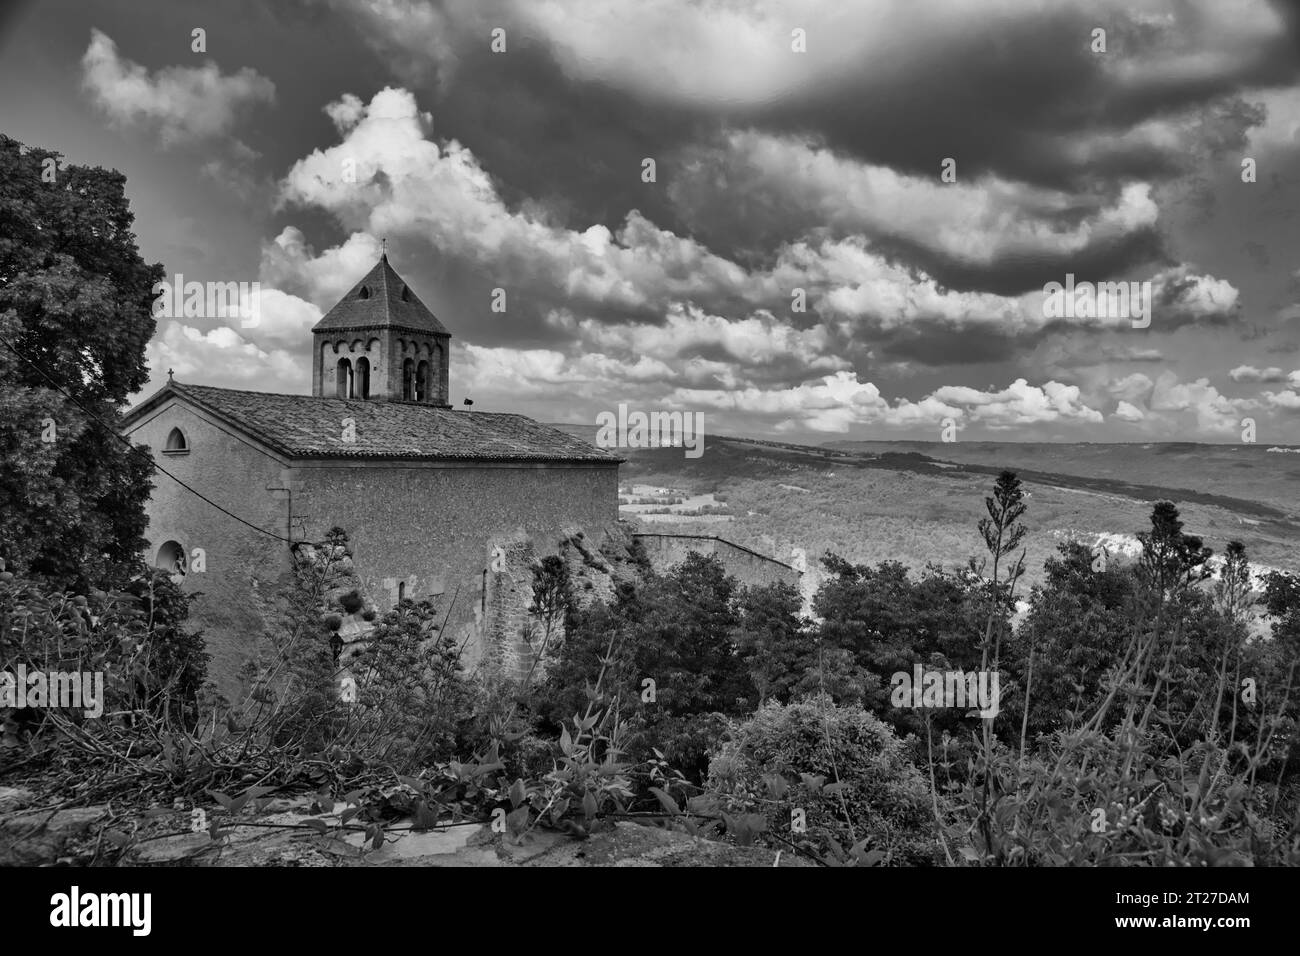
x=280, y=835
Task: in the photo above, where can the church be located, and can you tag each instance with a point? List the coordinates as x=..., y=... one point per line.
x=439, y=503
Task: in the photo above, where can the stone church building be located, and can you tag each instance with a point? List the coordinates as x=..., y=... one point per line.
x=439, y=503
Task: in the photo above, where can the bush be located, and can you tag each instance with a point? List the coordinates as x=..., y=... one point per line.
x=333, y=622
x=352, y=602
x=842, y=766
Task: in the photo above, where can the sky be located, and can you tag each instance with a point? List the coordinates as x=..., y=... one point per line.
x=850, y=228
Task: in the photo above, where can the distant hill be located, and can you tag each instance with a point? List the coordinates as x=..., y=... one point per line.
x=919, y=502
x=1238, y=471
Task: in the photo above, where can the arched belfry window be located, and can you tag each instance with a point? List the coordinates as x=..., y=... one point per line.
x=408, y=379
x=343, y=379
x=361, y=378
x=422, y=382
x=176, y=443
x=171, y=558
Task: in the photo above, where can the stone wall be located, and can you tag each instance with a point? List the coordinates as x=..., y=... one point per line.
x=245, y=571
x=512, y=635
x=437, y=532
x=423, y=530
x=747, y=566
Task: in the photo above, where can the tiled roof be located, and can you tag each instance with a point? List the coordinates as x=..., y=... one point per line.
x=388, y=302
x=303, y=426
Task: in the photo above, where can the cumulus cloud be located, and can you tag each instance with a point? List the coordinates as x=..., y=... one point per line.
x=1213, y=411
x=834, y=403
x=653, y=288
x=408, y=185
x=758, y=340
x=1028, y=72
x=182, y=104
x=1181, y=296
x=1128, y=413
x=764, y=184
x=1248, y=373
x=1287, y=400
x=224, y=357
x=290, y=263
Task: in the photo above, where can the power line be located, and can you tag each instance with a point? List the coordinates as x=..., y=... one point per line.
x=136, y=449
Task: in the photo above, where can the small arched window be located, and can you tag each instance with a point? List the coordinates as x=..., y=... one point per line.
x=422, y=382
x=343, y=379
x=364, y=293
x=362, y=378
x=401, y=591
x=406, y=293
x=408, y=379
x=171, y=558
x=176, y=443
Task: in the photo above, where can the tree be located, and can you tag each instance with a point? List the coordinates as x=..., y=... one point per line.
x=677, y=630
x=1171, y=561
x=1078, y=624
x=75, y=300
x=887, y=622
x=771, y=637
x=1232, y=590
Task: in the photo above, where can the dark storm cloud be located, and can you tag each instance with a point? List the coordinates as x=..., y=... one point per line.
x=575, y=148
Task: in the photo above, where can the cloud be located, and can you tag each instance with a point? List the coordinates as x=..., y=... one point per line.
x=834, y=403
x=754, y=186
x=717, y=52
x=1280, y=129
x=1128, y=413
x=182, y=104
x=1181, y=297
x=1020, y=404
x=1131, y=388
x=224, y=357
x=759, y=340
x=1132, y=353
x=1248, y=373
x=408, y=185
x=291, y=264
x=1213, y=411
x=386, y=176
x=420, y=38
x=1287, y=400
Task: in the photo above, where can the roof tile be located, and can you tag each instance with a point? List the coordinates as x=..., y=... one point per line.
x=303, y=426
x=388, y=303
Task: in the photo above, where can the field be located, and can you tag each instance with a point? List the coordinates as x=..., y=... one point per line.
x=919, y=502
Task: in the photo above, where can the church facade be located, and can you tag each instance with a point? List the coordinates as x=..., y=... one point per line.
x=438, y=503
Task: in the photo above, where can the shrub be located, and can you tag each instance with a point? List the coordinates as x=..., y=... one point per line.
x=333, y=622
x=352, y=602
x=841, y=765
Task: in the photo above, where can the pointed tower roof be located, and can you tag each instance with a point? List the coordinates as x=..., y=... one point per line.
x=382, y=299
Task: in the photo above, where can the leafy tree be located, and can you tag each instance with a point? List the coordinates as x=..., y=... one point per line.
x=1077, y=627
x=771, y=637
x=887, y=622
x=174, y=667
x=75, y=300
x=678, y=630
